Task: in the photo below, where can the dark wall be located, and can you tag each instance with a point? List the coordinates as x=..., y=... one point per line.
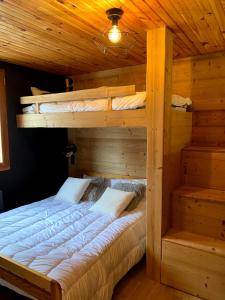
x=38, y=167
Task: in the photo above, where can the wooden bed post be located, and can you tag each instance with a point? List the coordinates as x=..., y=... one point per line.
x=158, y=109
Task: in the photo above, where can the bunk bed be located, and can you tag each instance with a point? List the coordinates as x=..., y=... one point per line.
x=86, y=119
x=156, y=117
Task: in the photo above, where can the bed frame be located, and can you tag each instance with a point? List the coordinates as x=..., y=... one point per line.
x=162, y=126
x=109, y=118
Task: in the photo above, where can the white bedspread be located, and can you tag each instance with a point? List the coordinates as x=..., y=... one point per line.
x=86, y=252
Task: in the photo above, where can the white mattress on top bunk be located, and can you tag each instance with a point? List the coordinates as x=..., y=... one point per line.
x=118, y=103
x=86, y=252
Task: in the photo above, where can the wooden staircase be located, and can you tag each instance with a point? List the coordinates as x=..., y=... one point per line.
x=193, y=251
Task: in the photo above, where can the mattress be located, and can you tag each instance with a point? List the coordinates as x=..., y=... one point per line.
x=86, y=252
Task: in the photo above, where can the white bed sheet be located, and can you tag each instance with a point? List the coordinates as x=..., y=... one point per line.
x=86, y=252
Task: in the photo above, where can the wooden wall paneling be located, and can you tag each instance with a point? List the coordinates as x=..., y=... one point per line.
x=158, y=107
x=201, y=79
x=117, y=152
x=115, y=77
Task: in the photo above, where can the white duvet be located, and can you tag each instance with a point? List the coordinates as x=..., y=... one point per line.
x=86, y=252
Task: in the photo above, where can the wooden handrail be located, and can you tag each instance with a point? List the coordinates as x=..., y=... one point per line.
x=102, y=92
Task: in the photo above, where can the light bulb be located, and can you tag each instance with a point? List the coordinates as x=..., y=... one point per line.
x=114, y=34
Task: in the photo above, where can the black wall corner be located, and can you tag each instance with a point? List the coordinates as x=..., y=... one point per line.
x=38, y=167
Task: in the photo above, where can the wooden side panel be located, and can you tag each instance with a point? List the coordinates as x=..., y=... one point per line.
x=199, y=216
x=181, y=131
x=194, y=271
x=204, y=169
x=123, y=118
x=115, y=151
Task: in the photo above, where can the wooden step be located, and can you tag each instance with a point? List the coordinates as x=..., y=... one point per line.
x=194, y=263
x=199, y=210
x=201, y=193
x=196, y=241
x=204, y=167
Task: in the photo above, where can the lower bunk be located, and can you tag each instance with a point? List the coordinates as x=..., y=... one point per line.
x=53, y=249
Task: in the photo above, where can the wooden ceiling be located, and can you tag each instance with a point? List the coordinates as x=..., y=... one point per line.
x=56, y=35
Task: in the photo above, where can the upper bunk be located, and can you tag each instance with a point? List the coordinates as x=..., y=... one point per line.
x=85, y=119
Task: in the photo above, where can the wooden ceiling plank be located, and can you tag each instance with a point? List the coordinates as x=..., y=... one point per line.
x=214, y=34
x=85, y=47
x=181, y=25
x=219, y=13
x=182, y=32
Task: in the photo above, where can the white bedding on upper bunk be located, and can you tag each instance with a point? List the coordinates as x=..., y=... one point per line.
x=118, y=103
x=85, y=251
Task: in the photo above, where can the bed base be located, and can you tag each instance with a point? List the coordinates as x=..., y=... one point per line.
x=28, y=280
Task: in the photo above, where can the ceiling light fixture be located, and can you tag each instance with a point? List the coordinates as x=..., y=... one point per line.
x=114, y=15
x=113, y=40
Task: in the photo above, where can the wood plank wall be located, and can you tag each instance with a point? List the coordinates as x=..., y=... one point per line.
x=110, y=151
x=119, y=144
x=202, y=78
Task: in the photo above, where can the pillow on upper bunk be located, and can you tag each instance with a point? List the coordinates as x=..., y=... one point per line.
x=36, y=92
x=72, y=189
x=113, y=202
x=137, y=188
x=95, y=189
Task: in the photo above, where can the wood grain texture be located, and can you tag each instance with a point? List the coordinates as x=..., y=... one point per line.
x=102, y=92
x=30, y=281
x=158, y=108
x=58, y=35
x=204, y=167
x=4, y=141
x=110, y=151
x=123, y=118
x=191, y=267
x=199, y=211
x=137, y=285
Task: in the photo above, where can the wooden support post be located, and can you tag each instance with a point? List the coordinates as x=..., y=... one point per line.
x=158, y=109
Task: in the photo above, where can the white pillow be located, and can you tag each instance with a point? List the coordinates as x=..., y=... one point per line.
x=113, y=202
x=72, y=189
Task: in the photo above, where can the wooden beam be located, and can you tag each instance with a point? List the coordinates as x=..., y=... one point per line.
x=102, y=92
x=123, y=118
x=158, y=110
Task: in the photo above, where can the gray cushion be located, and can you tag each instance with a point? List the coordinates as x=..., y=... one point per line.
x=138, y=189
x=95, y=189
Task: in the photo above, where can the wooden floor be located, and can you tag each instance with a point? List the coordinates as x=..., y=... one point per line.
x=137, y=286
x=134, y=286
